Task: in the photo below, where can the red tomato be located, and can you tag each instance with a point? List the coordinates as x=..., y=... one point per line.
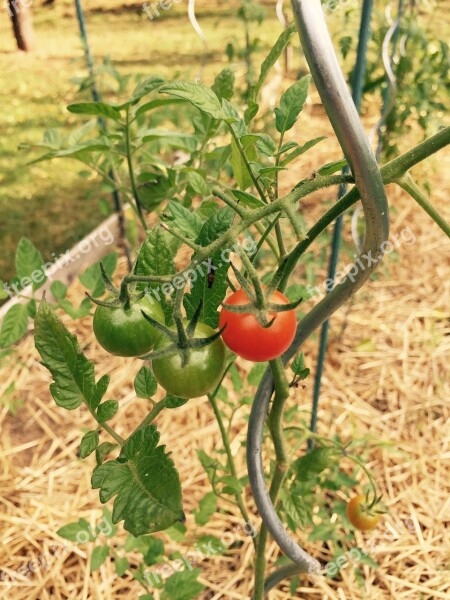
x=359, y=514
x=247, y=338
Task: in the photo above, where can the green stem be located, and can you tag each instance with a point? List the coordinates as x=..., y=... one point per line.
x=131, y=172
x=278, y=231
x=275, y=422
x=409, y=185
x=237, y=141
x=108, y=428
x=227, y=446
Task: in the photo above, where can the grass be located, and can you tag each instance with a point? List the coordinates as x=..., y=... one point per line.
x=44, y=201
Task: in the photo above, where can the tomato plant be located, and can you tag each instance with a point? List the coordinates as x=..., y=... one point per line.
x=247, y=338
x=191, y=261
x=361, y=514
x=123, y=331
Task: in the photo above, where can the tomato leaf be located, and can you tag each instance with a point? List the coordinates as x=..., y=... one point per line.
x=199, y=95
x=295, y=509
x=207, y=507
x=185, y=220
x=314, y=462
x=332, y=167
x=72, y=372
x=301, y=150
x=156, y=257
x=145, y=384
x=99, y=109
x=174, y=402
x=79, y=532
x=270, y=60
x=29, y=263
x=183, y=585
x=211, y=293
x=89, y=443
x=98, y=557
x=14, y=325
x=121, y=564
x=103, y=450
x=107, y=410
x=145, y=87
x=147, y=486
x=291, y=104
x=92, y=276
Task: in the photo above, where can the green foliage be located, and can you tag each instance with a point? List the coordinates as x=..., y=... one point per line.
x=291, y=105
x=145, y=383
x=145, y=483
x=14, y=325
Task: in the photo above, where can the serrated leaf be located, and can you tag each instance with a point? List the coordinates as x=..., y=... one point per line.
x=291, y=104
x=185, y=220
x=197, y=94
x=89, y=443
x=183, y=585
x=174, y=402
x=107, y=410
x=207, y=507
x=146, y=487
x=295, y=508
x=198, y=183
x=314, y=462
x=72, y=372
x=145, y=384
x=28, y=260
x=332, y=167
x=92, y=276
x=298, y=366
x=76, y=313
x=14, y=325
x=100, y=391
x=145, y=87
x=212, y=294
x=98, y=557
x=156, y=257
x=99, y=109
x=79, y=532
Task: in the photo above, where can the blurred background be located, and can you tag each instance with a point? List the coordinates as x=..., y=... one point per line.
x=131, y=40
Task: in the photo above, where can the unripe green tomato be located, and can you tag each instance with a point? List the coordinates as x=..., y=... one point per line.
x=201, y=374
x=125, y=332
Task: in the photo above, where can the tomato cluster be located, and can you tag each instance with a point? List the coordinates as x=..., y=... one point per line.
x=124, y=331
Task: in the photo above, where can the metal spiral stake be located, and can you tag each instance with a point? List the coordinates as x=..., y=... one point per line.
x=330, y=82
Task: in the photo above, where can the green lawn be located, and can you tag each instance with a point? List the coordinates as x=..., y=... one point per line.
x=49, y=202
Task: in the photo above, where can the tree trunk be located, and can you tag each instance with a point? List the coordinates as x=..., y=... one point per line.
x=22, y=23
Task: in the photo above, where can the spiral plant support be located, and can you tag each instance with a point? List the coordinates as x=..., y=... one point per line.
x=330, y=82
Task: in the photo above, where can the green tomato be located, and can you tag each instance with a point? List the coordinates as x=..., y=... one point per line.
x=125, y=332
x=201, y=374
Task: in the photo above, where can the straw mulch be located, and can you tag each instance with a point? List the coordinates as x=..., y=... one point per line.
x=385, y=377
